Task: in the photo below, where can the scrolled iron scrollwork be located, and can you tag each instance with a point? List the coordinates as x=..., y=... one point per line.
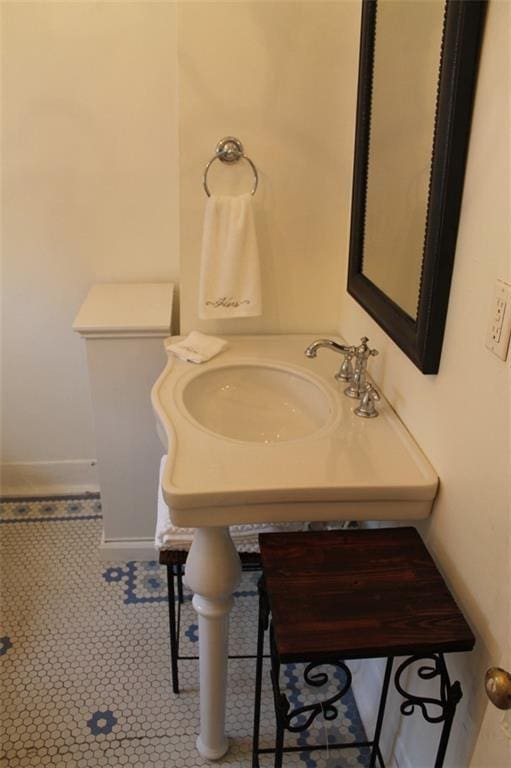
x=326, y=707
x=449, y=694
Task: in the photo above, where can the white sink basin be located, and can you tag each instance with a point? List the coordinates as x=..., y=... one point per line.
x=258, y=403
x=262, y=433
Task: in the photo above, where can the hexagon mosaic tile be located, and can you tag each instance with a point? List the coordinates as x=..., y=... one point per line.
x=84, y=657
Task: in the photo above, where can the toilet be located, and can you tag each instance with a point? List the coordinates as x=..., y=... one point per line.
x=124, y=325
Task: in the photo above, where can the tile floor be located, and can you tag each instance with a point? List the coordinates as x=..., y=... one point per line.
x=84, y=657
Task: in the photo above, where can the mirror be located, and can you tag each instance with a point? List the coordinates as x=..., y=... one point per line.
x=417, y=71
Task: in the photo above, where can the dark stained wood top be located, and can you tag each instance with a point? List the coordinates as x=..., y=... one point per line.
x=358, y=594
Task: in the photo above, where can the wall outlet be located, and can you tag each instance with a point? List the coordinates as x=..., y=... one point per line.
x=499, y=327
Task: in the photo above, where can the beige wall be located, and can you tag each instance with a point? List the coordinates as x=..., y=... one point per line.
x=90, y=194
x=92, y=177
x=282, y=77
x=461, y=416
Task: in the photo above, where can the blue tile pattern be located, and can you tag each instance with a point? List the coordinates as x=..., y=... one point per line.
x=102, y=722
x=84, y=665
x=5, y=644
x=192, y=633
x=140, y=583
x=42, y=510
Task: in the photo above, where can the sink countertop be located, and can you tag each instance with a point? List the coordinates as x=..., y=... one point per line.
x=351, y=468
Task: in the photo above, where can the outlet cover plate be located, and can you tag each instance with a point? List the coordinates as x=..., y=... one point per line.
x=499, y=326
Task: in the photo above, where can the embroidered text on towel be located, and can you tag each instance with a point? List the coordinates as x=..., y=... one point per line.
x=226, y=302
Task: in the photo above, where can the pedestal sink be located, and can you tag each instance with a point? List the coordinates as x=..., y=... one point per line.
x=263, y=434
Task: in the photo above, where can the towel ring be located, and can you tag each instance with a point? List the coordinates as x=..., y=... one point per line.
x=229, y=150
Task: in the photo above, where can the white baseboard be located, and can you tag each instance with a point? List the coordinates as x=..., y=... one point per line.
x=122, y=550
x=25, y=479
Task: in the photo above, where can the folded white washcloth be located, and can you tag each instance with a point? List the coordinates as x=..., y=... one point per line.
x=196, y=348
x=167, y=535
x=230, y=276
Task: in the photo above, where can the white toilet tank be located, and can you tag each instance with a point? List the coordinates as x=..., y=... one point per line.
x=124, y=325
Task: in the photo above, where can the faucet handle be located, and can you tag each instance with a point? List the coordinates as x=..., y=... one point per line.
x=358, y=380
x=367, y=407
x=345, y=372
x=363, y=352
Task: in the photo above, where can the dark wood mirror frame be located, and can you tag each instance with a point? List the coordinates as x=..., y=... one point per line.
x=421, y=339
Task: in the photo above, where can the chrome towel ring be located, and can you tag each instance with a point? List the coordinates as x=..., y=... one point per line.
x=229, y=150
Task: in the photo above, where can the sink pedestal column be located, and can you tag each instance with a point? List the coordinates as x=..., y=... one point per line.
x=213, y=570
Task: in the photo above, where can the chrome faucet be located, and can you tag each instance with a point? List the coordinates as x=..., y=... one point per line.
x=356, y=376
x=345, y=372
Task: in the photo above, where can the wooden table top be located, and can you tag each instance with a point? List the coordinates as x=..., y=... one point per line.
x=358, y=594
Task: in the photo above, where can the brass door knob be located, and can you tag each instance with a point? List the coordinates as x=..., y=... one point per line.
x=497, y=683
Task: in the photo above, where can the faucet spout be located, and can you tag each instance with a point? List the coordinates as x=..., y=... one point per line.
x=312, y=349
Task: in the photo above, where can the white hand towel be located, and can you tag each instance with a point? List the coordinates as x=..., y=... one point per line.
x=196, y=348
x=230, y=278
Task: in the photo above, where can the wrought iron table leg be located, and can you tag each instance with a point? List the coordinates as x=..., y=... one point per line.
x=454, y=695
x=279, y=743
x=261, y=629
x=173, y=632
x=281, y=704
x=180, y=594
x=381, y=710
